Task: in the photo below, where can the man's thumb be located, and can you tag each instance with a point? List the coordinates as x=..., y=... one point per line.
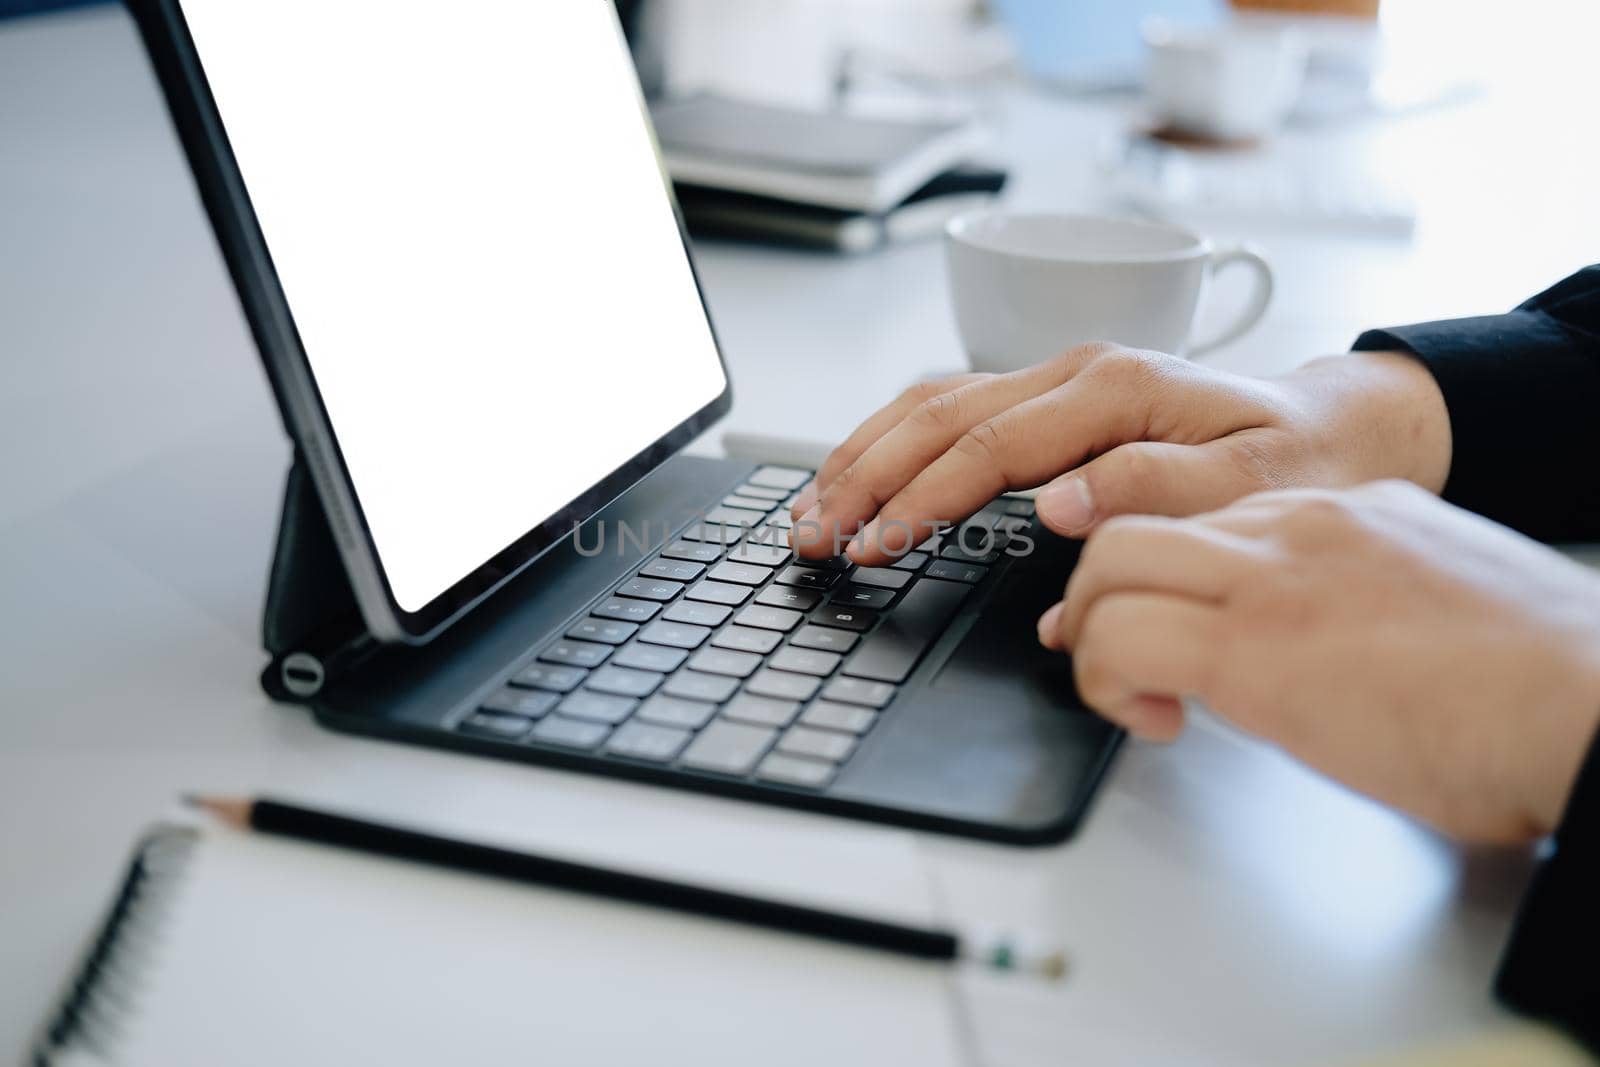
x=1142, y=478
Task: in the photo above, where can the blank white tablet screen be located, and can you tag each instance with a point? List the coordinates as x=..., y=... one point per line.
x=467, y=218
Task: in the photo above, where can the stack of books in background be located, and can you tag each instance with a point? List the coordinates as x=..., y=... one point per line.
x=837, y=181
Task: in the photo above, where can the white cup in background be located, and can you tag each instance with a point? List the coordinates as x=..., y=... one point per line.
x=1028, y=287
x=1225, y=83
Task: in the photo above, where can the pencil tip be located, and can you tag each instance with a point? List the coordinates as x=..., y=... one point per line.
x=231, y=811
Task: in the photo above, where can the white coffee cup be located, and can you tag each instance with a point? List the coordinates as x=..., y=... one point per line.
x=1233, y=82
x=1028, y=287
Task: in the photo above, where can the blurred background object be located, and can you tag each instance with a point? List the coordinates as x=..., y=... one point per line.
x=1353, y=8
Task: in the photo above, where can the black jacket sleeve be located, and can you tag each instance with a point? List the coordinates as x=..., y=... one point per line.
x=1523, y=392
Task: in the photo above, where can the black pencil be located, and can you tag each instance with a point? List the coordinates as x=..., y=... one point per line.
x=289, y=820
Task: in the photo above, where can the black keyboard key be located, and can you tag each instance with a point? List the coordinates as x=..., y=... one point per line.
x=858, y=691
x=649, y=658
x=849, y=718
x=576, y=653
x=528, y=703
x=734, y=516
x=807, y=577
x=780, y=478
x=549, y=676
x=729, y=747
x=843, y=617
x=795, y=770
x=760, y=554
x=769, y=536
x=911, y=561
x=783, y=686
x=750, y=503
x=763, y=711
x=977, y=550
x=692, y=685
x=676, y=570
x=805, y=661
x=783, y=596
x=627, y=610
x=496, y=724
x=697, y=614
x=817, y=744
x=719, y=592
x=832, y=563
x=984, y=519
x=665, y=710
x=623, y=682
x=880, y=577
x=1012, y=505
x=1013, y=526
x=764, y=492
x=764, y=618
x=647, y=741
x=891, y=651
x=650, y=589
x=597, y=707
x=856, y=596
x=676, y=634
x=570, y=733
x=714, y=533
x=605, y=631
x=824, y=638
x=744, y=639
x=951, y=571
x=725, y=661
x=739, y=573
x=694, y=551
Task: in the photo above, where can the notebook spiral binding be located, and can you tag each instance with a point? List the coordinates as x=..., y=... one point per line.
x=102, y=993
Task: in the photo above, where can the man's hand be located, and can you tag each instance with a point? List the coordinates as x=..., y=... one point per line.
x=1420, y=654
x=1131, y=431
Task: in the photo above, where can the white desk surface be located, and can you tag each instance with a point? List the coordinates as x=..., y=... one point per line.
x=1222, y=904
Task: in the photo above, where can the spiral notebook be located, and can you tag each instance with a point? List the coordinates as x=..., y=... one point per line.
x=230, y=948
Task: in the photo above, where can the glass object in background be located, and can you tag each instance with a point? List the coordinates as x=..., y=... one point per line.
x=1091, y=44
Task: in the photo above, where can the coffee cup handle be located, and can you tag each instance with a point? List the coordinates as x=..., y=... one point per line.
x=1260, y=296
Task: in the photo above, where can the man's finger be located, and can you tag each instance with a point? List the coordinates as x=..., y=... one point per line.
x=1153, y=555
x=1157, y=478
x=1136, y=648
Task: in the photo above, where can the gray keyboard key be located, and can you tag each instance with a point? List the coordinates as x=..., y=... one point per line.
x=794, y=770
x=649, y=589
x=750, y=503
x=549, y=676
x=623, y=682
x=627, y=610
x=807, y=577
x=780, y=478
x=881, y=577
x=576, y=653
x=818, y=744
x=725, y=661
x=763, y=711
x=765, y=618
x=781, y=685
x=891, y=651
x=911, y=561
x=843, y=617
x=805, y=661
x=645, y=741
x=719, y=592
x=649, y=658
x=714, y=533
x=739, y=573
x=496, y=724
x=728, y=747
x=744, y=639
x=698, y=614
x=781, y=520
x=822, y=637
x=765, y=492
x=984, y=519
x=783, y=596
x=605, y=631
x=597, y=707
x=856, y=596
x=759, y=553
x=859, y=691
x=847, y=718
x=675, y=711
x=570, y=733
x=529, y=703
x=676, y=570
x=692, y=685
x=1013, y=505
x=695, y=551
x=976, y=553
x=951, y=571
x=676, y=634
x=1013, y=525
x=728, y=516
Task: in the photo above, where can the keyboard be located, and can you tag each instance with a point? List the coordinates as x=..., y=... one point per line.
x=724, y=654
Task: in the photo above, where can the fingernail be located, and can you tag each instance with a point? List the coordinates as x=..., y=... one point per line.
x=806, y=500
x=1048, y=622
x=1066, y=505
x=863, y=540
